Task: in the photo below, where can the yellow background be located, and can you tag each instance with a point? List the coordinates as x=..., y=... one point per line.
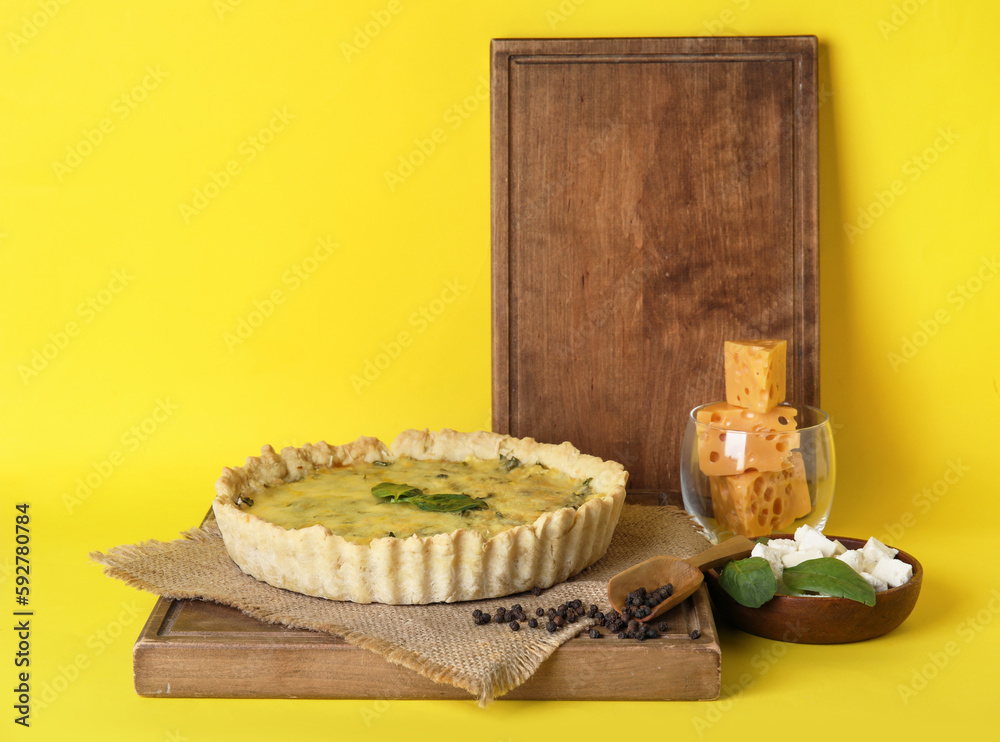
x=127, y=354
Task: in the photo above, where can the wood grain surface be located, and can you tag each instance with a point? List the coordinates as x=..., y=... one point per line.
x=198, y=649
x=651, y=199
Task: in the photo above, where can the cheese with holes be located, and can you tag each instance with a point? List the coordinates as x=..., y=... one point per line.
x=732, y=439
x=731, y=417
x=757, y=503
x=755, y=373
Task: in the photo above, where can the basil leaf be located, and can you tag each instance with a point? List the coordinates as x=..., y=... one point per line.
x=404, y=493
x=828, y=576
x=750, y=581
x=395, y=492
x=508, y=464
x=446, y=503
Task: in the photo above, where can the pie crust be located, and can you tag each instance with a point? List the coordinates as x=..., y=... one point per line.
x=445, y=567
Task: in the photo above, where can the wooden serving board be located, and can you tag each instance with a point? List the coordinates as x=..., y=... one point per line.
x=198, y=649
x=652, y=198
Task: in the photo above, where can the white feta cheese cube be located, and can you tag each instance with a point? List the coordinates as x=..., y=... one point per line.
x=838, y=548
x=895, y=572
x=802, y=532
x=854, y=559
x=876, y=582
x=809, y=538
x=773, y=558
x=874, y=551
x=802, y=555
x=782, y=545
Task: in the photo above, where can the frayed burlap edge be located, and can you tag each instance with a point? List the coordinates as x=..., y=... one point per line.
x=277, y=606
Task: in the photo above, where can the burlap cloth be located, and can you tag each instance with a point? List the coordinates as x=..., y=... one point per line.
x=438, y=641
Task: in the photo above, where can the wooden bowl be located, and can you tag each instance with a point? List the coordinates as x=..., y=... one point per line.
x=820, y=620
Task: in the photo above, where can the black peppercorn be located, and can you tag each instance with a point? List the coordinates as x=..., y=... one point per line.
x=515, y=626
x=551, y=627
x=595, y=634
x=661, y=626
x=539, y=612
x=536, y=591
x=533, y=623
x=695, y=634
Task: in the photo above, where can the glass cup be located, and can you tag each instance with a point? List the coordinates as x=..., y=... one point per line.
x=757, y=482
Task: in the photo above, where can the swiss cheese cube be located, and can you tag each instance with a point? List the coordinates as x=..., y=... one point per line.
x=755, y=373
x=756, y=503
x=733, y=439
x=731, y=417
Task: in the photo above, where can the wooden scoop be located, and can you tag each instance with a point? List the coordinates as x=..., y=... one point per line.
x=684, y=574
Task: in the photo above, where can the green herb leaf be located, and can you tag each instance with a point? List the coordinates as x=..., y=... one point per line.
x=508, y=464
x=584, y=489
x=828, y=576
x=446, y=503
x=762, y=540
x=395, y=492
x=750, y=581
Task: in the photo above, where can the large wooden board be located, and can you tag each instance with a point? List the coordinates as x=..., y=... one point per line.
x=198, y=649
x=651, y=199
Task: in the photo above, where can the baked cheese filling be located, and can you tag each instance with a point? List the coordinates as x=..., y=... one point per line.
x=499, y=495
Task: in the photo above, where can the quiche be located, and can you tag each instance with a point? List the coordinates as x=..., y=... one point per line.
x=440, y=516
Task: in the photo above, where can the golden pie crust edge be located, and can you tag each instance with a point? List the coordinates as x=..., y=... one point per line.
x=445, y=567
